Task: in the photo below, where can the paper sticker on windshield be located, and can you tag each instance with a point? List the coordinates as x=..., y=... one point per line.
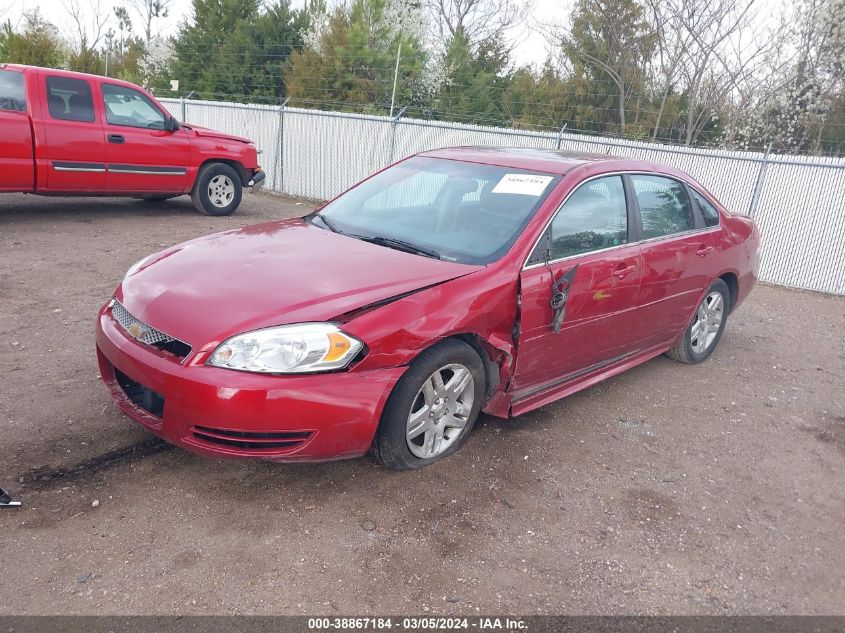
x=523, y=184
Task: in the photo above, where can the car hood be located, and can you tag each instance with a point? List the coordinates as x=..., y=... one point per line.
x=209, y=133
x=203, y=291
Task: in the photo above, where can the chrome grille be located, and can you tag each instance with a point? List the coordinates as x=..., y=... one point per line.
x=142, y=332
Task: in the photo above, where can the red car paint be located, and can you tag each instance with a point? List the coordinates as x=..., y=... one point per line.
x=630, y=304
x=44, y=155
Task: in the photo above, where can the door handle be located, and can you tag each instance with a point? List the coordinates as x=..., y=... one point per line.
x=623, y=271
x=702, y=252
x=118, y=139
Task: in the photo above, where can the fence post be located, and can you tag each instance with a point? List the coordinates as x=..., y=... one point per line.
x=758, y=185
x=279, y=159
x=560, y=134
x=394, y=122
x=183, y=100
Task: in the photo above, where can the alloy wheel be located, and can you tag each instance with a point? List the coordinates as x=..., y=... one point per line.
x=440, y=411
x=707, y=322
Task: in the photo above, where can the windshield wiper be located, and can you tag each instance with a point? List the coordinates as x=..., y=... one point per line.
x=400, y=245
x=330, y=226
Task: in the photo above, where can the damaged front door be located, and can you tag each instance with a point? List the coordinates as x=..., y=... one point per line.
x=580, y=290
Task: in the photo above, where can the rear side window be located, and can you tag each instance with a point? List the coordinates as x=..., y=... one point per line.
x=12, y=93
x=593, y=218
x=665, y=208
x=70, y=99
x=708, y=211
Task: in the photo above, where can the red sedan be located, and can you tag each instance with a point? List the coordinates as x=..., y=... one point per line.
x=454, y=282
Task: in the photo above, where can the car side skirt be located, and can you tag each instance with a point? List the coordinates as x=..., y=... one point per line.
x=530, y=399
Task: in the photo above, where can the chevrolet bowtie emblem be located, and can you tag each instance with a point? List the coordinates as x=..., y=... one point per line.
x=135, y=330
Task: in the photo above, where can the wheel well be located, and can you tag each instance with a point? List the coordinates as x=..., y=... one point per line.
x=491, y=368
x=733, y=286
x=237, y=166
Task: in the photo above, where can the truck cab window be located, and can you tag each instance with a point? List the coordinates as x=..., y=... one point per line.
x=70, y=99
x=125, y=106
x=12, y=94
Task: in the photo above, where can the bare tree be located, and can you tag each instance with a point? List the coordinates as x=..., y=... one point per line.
x=673, y=47
x=741, y=73
x=705, y=50
x=480, y=20
x=149, y=11
x=88, y=23
x=712, y=25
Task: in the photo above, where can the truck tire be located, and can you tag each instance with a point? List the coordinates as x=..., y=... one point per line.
x=218, y=190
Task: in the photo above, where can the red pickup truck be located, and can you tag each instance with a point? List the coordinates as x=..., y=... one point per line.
x=72, y=134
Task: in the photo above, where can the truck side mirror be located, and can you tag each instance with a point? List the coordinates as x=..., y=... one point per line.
x=171, y=124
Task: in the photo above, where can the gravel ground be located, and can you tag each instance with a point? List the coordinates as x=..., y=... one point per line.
x=711, y=489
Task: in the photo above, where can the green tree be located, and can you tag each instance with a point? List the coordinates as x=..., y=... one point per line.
x=235, y=49
x=609, y=45
x=37, y=43
x=475, y=82
x=351, y=55
x=122, y=49
x=199, y=44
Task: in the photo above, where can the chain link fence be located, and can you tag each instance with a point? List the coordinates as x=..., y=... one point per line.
x=798, y=201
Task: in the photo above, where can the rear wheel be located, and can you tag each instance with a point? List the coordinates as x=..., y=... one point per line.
x=433, y=407
x=706, y=328
x=218, y=190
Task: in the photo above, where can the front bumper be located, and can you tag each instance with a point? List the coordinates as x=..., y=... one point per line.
x=223, y=413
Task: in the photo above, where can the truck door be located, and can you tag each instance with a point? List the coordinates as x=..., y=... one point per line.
x=75, y=150
x=141, y=154
x=18, y=172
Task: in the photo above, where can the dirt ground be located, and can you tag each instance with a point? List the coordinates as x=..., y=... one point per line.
x=711, y=489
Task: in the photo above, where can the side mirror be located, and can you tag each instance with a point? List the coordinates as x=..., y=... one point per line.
x=171, y=124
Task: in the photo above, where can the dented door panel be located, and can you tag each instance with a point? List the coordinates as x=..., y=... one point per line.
x=600, y=311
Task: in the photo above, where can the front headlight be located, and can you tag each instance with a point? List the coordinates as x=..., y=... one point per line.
x=288, y=349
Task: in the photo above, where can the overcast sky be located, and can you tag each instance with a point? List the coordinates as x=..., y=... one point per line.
x=529, y=47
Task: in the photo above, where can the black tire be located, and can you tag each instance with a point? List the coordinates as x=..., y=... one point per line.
x=683, y=351
x=200, y=193
x=391, y=446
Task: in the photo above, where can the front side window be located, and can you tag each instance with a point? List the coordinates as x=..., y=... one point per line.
x=70, y=99
x=457, y=211
x=12, y=93
x=665, y=208
x=593, y=218
x=708, y=211
x=128, y=107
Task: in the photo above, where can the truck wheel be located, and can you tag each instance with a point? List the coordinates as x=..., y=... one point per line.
x=218, y=190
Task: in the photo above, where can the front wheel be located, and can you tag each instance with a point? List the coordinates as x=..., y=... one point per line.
x=433, y=407
x=218, y=190
x=706, y=328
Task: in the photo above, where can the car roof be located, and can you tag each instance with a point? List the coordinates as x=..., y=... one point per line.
x=58, y=72
x=546, y=160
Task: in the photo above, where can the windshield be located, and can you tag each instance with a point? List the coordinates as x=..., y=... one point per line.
x=453, y=210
